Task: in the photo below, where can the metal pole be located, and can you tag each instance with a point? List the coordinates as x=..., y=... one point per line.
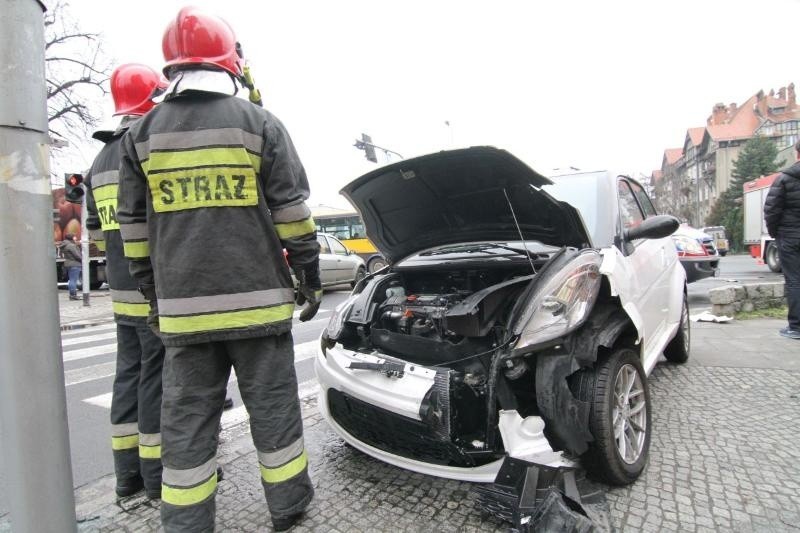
x=33, y=412
x=85, y=272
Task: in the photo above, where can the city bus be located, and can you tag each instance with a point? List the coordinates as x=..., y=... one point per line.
x=347, y=226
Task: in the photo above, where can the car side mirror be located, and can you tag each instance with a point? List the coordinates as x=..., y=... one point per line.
x=656, y=227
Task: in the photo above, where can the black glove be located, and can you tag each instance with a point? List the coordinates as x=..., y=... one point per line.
x=149, y=293
x=309, y=290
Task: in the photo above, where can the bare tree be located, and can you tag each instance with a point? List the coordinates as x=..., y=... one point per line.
x=77, y=75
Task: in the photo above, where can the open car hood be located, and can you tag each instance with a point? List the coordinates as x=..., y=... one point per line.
x=459, y=196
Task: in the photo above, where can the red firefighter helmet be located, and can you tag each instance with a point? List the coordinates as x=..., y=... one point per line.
x=198, y=38
x=133, y=87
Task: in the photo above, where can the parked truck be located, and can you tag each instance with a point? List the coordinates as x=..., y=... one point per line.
x=762, y=247
x=67, y=220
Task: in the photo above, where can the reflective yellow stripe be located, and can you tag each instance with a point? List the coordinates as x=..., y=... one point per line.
x=101, y=245
x=150, y=452
x=106, y=199
x=192, y=496
x=121, y=308
x=136, y=249
x=203, y=187
x=202, y=157
x=287, y=471
x=295, y=229
x=229, y=320
x=125, y=443
x=105, y=193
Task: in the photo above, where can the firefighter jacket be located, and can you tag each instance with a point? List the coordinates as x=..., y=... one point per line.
x=102, y=181
x=211, y=193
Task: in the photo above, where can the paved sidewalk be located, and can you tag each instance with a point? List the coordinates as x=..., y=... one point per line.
x=74, y=314
x=724, y=457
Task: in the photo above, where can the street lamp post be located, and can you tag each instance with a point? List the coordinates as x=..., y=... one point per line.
x=33, y=409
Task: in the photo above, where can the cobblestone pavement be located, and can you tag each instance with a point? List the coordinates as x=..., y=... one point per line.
x=724, y=457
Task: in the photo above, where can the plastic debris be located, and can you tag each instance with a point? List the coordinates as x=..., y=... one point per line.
x=705, y=316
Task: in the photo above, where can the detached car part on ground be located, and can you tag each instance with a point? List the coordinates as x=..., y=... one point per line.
x=513, y=333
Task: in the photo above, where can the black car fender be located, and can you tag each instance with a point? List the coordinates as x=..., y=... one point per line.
x=566, y=417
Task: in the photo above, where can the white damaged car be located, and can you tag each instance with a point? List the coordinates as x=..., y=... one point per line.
x=519, y=317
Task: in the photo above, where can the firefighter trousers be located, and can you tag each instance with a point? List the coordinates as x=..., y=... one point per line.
x=195, y=382
x=136, y=406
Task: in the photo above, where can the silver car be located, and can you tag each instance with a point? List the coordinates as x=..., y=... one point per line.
x=337, y=264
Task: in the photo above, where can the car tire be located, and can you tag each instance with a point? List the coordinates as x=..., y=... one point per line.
x=773, y=259
x=678, y=349
x=360, y=274
x=376, y=263
x=613, y=461
x=723, y=253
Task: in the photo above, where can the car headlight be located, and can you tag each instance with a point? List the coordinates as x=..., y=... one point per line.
x=336, y=323
x=564, y=301
x=688, y=246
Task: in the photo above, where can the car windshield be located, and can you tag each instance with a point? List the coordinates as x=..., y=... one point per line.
x=587, y=194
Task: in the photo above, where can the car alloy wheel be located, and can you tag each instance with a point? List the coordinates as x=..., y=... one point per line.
x=629, y=414
x=619, y=418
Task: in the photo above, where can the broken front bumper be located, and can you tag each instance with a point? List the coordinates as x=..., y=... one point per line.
x=391, y=417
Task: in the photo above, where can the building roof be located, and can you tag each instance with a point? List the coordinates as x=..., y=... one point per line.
x=672, y=155
x=656, y=175
x=696, y=135
x=726, y=132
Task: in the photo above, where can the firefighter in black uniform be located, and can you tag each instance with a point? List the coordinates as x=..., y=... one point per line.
x=211, y=193
x=136, y=398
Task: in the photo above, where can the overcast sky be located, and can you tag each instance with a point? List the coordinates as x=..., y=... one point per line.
x=587, y=84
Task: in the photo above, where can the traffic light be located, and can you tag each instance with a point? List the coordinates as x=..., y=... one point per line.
x=73, y=188
x=369, y=149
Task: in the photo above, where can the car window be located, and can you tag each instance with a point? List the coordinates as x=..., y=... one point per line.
x=323, y=245
x=644, y=200
x=338, y=248
x=629, y=212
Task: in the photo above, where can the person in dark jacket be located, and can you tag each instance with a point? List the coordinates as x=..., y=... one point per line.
x=782, y=216
x=211, y=192
x=136, y=398
x=73, y=259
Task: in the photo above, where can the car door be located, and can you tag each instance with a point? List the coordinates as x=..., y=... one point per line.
x=344, y=266
x=649, y=264
x=327, y=261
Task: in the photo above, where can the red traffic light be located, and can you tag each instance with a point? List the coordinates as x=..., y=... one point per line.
x=73, y=185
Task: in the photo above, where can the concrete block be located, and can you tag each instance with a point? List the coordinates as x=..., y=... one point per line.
x=722, y=309
x=778, y=290
x=739, y=293
x=722, y=295
x=748, y=306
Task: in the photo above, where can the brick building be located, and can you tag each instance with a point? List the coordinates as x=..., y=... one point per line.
x=692, y=176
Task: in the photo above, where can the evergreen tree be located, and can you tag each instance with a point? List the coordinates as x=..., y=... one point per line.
x=756, y=159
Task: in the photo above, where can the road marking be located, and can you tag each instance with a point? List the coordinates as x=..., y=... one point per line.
x=79, y=332
x=230, y=418
x=89, y=338
x=101, y=400
x=103, y=349
x=89, y=373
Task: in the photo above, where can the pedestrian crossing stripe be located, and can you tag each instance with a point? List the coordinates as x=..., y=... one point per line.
x=302, y=352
